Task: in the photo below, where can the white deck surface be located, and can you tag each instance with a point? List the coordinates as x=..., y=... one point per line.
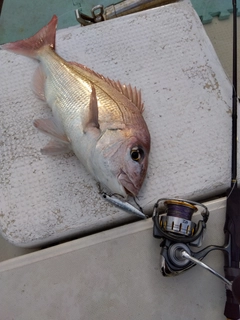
x=166, y=53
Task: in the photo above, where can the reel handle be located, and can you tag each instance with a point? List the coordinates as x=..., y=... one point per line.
x=233, y=286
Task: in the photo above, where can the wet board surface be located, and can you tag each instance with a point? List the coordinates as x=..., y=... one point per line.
x=187, y=99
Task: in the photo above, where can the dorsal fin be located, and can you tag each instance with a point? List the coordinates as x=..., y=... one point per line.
x=133, y=94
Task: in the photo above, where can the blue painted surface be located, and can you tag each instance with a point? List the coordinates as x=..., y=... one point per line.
x=207, y=9
x=22, y=18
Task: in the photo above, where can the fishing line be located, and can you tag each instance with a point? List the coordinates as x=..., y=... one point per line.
x=61, y=17
x=65, y=13
x=139, y=207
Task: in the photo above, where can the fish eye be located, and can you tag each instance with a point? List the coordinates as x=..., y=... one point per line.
x=137, y=154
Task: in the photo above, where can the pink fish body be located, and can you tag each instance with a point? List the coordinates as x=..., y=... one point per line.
x=99, y=119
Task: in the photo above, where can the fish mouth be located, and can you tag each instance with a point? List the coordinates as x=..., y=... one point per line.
x=129, y=187
x=130, y=192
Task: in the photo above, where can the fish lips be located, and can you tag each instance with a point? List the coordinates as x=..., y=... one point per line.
x=130, y=188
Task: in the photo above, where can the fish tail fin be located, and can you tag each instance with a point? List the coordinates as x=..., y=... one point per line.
x=30, y=47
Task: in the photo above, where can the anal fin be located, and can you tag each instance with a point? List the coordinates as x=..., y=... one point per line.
x=55, y=147
x=60, y=144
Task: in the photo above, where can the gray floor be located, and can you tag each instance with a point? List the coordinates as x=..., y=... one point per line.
x=220, y=33
x=114, y=275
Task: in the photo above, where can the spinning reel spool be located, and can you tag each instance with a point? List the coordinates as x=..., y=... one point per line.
x=177, y=225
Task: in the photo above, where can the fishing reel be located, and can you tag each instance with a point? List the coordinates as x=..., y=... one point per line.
x=179, y=233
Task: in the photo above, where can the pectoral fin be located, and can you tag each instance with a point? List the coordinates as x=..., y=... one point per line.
x=50, y=127
x=91, y=123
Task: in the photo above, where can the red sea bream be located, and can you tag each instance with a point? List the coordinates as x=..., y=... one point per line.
x=99, y=119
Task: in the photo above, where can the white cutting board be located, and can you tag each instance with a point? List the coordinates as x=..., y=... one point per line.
x=166, y=53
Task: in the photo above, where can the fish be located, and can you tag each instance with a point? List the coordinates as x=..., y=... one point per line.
x=99, y=119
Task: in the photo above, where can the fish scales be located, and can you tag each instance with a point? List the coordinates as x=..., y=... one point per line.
x=99, y=119
x=74, y=82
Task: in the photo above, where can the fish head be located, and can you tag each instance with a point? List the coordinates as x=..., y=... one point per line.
x=133, y=164
x=124, y=161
